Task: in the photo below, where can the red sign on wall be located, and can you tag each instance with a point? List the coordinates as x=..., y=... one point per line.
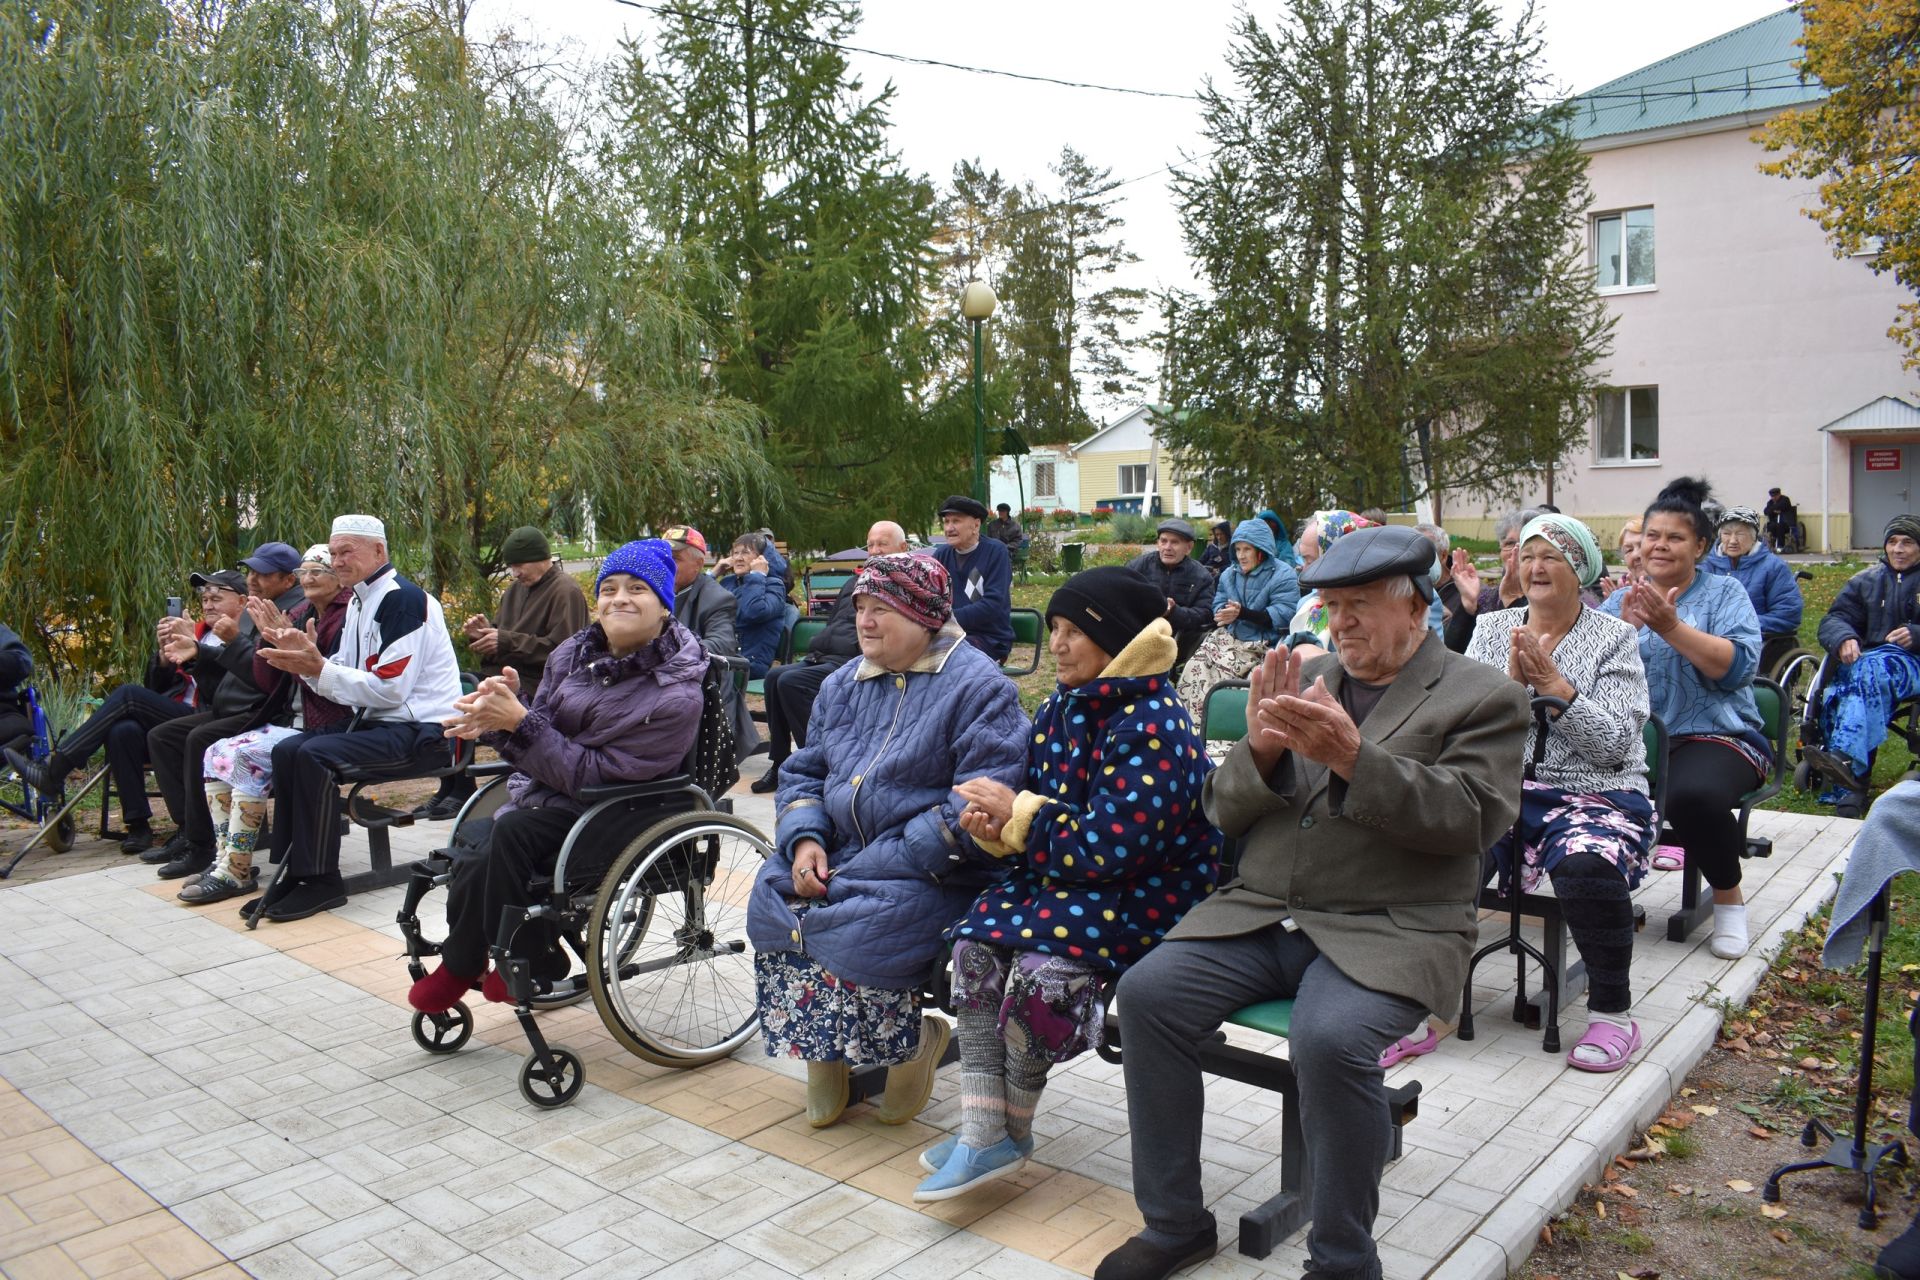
x=1883, y=459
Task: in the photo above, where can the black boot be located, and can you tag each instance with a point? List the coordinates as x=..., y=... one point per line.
x=1900, y=1260
x=175, y=846
x=139, y=838
x=48, y=777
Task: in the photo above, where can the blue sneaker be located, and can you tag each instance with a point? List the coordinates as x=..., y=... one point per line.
x=966, y=1169
x=935, y=1156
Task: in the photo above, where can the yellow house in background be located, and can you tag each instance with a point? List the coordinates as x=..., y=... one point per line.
x=1124, y=466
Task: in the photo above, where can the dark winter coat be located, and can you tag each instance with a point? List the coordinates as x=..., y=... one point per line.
x=16, y=668
x=1190, y=587
x=599, y=719
x=1874, y=602
x=761, y=619
x=1267, y=597
x=874, y=785
x=1108, y=845
x=1770, y=585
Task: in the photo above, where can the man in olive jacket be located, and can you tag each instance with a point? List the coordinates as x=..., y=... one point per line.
x=1371, y=783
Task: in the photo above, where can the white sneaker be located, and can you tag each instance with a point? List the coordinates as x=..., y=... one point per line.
x=1729, y=940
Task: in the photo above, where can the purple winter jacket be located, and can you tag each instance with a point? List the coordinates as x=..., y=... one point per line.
x=598, y=719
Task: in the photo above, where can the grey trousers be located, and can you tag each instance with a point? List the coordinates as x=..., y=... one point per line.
x=1175, y=998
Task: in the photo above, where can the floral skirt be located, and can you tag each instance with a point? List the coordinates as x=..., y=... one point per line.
x=806, y=1012
x=1617, y=825
x=245, y=761
x=1048, y=1006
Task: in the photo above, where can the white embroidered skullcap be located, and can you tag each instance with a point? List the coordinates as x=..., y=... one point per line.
x=360, y=527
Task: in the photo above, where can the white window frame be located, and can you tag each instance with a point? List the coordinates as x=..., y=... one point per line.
x=1626, y=413
x=1049, y=491
x=1620, y=216
x=1146, y=474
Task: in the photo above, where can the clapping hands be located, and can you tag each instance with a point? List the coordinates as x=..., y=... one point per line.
x=1310, y=722
x=494, y=707
x=1646, y=605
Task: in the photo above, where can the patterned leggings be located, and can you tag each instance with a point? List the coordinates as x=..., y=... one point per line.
x=1016, y=1013
x=1859, y=701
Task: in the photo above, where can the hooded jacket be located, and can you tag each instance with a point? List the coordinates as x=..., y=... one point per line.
x=1267, y=597
x=761, y=619
x=1770, y=585
x=16, y=668
x=1108, y=845
x=598, y=719
x=874, y=785
x=1874, y=602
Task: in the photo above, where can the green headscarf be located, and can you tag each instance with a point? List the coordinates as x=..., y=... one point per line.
x=1571, y=539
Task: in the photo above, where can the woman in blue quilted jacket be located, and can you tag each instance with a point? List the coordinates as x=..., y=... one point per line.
x=1103, y=851
x=872, y=865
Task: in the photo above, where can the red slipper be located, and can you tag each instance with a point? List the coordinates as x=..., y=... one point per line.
x=439, y=991
x=494, y=987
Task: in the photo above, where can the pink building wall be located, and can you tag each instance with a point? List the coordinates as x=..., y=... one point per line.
x=1755, y=334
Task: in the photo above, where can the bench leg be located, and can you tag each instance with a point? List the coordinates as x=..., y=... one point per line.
x=1573, y=973
x=1693, y=912
x=1266, y=1225
x=383, y=872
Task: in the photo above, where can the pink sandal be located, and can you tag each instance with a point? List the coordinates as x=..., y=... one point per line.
x=1669, y=857
x=1617, y=1045
x=1407, y=1047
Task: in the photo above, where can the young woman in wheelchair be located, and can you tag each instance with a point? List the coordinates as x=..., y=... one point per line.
x=871, y=862
x=1700, y=644
x=1869, y=635
x=1101, y=853
x=1585, y=818
x=620, y=702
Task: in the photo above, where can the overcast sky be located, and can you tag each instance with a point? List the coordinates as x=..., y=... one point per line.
x=941, y=116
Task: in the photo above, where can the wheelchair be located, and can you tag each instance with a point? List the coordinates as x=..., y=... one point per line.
x=1814, y=768
x=648, y=903
x=51, y=812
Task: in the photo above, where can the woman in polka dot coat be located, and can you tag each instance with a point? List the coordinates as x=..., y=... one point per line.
x=1104, y=849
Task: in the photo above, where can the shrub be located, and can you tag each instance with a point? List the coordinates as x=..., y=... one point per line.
x=1130, y=527
x=1043, y=553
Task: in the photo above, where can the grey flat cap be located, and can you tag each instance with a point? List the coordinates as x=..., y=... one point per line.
x=1175, y=524
x=1368, y=555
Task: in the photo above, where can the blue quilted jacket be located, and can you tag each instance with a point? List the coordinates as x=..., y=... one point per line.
x=874, y=785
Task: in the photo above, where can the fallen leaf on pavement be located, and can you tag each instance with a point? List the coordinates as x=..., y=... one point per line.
x=1784, y=1237
x=1755, y=1131
x=1740, y=1184
x=1810, y=1064
x=1772, y=1211
x=1705, y=1111
x=1688, y=1093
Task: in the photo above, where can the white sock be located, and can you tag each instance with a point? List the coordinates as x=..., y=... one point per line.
x=1591, y=1053
x=1729, y=940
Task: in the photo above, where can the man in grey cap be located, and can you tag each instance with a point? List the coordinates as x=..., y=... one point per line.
x=1183, y=581
x=1371, y=783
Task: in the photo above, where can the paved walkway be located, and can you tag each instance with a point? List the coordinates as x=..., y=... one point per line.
x=178, y=1095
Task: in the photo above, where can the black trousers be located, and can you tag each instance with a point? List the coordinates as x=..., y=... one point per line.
x=306, y=800
x=178, y=750
x=15, y=730
x=1705, y=781
x=121, y=725
x=790, y=693
x=496, y=874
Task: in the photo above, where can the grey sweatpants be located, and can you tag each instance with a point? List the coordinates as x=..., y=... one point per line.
x=1178, y=996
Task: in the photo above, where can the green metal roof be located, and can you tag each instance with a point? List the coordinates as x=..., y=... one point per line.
x=1749, y=69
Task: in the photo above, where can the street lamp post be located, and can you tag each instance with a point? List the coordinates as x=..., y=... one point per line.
x=976, y=304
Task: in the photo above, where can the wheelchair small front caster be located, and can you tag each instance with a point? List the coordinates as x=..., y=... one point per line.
x=443, y=1032
x=555, y=1088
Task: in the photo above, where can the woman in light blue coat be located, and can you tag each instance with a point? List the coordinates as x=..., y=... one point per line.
x=1252, y=603
x=1768, y=579
x=872, y=865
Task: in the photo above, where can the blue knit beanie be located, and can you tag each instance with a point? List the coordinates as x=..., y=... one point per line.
x=650, y=560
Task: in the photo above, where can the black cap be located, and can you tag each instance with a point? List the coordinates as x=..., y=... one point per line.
x=1368, y=555
x=1004, y=509
x=1112, y=604
x=961, y=504
x=229, y=579
x=1175, y=524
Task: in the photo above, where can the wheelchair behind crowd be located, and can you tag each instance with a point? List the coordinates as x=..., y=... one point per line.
x=1806, y=678
x=648, y=904
x=50, y=812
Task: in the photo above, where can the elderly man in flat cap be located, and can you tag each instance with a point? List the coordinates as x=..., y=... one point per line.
x=981, y=570
x=395, y=662
x=1370, y=785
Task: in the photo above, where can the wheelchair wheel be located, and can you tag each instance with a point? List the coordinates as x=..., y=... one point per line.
x=59, y=839
x=1796, y=672
x=444, y=1032
x=554, y=1088
x=670, y=965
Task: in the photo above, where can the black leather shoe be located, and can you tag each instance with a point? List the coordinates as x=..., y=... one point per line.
x=307, y=897
x=137, y=840
x=175, y=847
x=439, y=809
x=768, y=781
x=48, y=777
x=1139, y=1260
x=191, y=862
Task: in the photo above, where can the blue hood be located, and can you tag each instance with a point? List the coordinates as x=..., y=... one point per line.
x=1257, y=535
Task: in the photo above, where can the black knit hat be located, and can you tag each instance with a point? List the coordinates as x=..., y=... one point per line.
x=1909, y=525
x=1112, y=604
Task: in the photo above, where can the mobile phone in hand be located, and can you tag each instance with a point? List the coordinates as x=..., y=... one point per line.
x=176, y=607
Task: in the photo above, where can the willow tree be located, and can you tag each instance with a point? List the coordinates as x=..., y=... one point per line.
x=264, y=262
x=1386, y=225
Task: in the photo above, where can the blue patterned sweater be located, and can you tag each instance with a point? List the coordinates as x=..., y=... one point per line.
x=1686, y=701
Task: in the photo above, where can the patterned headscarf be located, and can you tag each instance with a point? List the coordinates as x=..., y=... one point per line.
x=1337, y=524
x=650, y=560
x=1740, y=515
x=1572, y=540
x=916, y=586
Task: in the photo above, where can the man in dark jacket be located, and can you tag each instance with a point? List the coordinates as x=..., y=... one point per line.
x=792, y=688
x=178, y=748
x=16, y=668
x=1183, y=581
x=710, y=611
x=1004, y=528
x=982, y=574
x=1872, y=631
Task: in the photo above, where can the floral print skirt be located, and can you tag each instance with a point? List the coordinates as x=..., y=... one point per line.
x=806, y=1012
x=245, y=761
x=1617, y=825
